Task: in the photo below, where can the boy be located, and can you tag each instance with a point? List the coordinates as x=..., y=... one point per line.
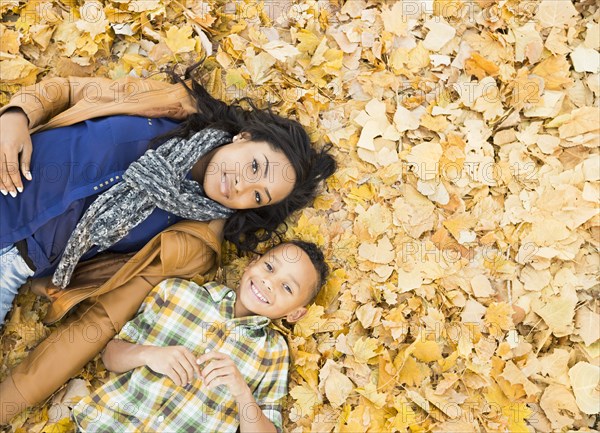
x=203, y=358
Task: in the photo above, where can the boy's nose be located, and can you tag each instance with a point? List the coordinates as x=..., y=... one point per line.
x=267, y=285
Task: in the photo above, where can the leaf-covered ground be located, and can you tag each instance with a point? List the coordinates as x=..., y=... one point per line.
x=462, y=226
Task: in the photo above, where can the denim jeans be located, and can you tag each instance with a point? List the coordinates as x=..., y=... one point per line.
x=13, y=274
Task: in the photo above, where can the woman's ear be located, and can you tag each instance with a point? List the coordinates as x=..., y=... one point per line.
x=296, y=315
x=243, y=136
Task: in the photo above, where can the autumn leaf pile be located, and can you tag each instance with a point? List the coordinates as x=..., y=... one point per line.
x=462, y=226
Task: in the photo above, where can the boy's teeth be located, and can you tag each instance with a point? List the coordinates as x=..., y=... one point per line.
x=258, y=294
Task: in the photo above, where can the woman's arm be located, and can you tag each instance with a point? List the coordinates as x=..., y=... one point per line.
x=42, y=101
x=58, y=102
x=176, y=362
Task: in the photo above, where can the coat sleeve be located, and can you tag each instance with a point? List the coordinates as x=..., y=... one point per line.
x=88, y=97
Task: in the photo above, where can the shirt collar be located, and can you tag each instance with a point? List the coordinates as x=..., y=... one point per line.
x=219, y=292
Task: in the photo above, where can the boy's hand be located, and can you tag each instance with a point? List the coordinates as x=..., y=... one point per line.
x=14, y=141
x=176, y=362
x=221, y=370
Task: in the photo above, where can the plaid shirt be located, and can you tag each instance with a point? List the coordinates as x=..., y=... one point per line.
x=201, y=318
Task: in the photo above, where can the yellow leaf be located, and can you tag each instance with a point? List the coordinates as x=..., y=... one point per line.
x=405, y=415
x=498, y=317
x=65, y=425
x=93, y=18
x=331, y=288
x=448, y=362
x=423, y=159
x=369, y=391
x=580, y=121
x=555, y=72
x=584, y=381
x=311, y=321
x=382, y=252
x=179, y=40
x=235, y=77
x=337, y=387
x=447, y=8
x=306, y=398
x=506, y=412
x=480, y=67
x=364, y=349
x=412, y=372
x=552, y=13
x=427, y=351
x=308, y=41
x=260, y=67
x=9, y=40
x=18, y=71
x=393, y=21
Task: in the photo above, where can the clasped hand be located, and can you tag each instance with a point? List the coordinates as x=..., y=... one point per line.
x=14, y=141
x=180, y=365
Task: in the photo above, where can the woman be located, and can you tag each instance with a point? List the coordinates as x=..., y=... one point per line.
x=246, y=178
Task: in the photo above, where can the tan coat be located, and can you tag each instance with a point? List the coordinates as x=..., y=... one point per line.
x=109, y=288
x=178, y=251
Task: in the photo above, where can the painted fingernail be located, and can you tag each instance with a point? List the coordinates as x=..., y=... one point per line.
x=13, y=194
x=4, y=192
x=20, y=189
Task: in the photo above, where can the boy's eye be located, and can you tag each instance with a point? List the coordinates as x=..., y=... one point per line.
x=254, y=166
x=268, y=266
x=287, y=288
x=257, y=197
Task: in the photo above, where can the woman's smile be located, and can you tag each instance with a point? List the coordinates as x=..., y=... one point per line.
x=225, y=186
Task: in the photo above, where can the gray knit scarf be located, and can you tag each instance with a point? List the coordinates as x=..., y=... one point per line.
x=156, y=179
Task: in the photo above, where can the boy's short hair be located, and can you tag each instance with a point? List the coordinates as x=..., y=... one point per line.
x=317, y=258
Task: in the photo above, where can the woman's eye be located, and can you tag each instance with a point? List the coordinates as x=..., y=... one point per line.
x=257, y=197
x=254, y=166
x=269, y=267
x=287, y=288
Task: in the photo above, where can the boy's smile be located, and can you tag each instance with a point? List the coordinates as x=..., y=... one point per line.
x=278, y=284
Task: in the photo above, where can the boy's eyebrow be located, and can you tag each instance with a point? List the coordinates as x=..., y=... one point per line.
x=290, y=275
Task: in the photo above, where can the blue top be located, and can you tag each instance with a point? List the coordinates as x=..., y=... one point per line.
x=70, y=166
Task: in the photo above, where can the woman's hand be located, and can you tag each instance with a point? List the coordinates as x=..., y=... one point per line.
x=221, y=370
x=176, y=362
x=14, y=140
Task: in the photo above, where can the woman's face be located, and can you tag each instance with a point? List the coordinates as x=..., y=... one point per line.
x=248, y=174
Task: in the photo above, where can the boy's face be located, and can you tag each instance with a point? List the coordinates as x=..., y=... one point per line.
x=277, y=284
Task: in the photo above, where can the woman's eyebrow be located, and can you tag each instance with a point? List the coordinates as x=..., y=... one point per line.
x=266, y=166
x=265, y=176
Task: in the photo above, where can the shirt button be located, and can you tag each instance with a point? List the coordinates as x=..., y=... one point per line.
x=206, y=350
x=230, y=295
x=161, y=418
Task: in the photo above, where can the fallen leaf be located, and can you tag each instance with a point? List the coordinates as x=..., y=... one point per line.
x=584, y=381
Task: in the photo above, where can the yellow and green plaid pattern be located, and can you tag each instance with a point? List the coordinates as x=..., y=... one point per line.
x=201, y=318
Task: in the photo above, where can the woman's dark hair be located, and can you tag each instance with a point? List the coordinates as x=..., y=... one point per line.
x=248, y=227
